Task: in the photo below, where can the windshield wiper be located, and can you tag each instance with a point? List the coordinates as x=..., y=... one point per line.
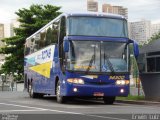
x=109, y=63
x=90, y=63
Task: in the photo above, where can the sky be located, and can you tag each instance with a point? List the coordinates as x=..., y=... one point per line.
x=137, y=9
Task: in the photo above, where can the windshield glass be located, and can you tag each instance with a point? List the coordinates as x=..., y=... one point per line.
x=93, y=56
x=97, y=26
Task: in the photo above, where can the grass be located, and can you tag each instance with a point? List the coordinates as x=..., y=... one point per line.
x=130, y=97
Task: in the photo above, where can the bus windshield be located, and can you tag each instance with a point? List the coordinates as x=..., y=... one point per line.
x=97, y=56
x=97, y=26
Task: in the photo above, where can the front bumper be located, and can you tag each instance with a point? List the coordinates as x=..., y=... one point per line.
x=95, y=90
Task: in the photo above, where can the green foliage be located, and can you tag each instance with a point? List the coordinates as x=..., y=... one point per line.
x=31, y=20
x=155, y=37
x=131, y=97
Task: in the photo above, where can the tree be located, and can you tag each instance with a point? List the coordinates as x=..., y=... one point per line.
x=155, y=37
x=30, y=20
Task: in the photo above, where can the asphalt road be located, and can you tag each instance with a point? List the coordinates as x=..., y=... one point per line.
x=18, y=106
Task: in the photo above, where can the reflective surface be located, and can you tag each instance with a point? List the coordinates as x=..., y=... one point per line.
x=97, y=26
x=93, y=56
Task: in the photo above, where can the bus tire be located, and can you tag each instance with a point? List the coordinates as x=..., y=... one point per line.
x=60, y=99
x=32, y=94
x=109, y=100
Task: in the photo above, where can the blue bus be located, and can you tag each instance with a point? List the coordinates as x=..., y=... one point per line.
x=79, y=55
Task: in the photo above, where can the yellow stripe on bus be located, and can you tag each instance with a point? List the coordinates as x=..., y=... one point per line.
x=43, y=69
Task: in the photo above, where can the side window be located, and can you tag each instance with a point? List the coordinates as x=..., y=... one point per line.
x=32, y=45
x=49, y=36
x=26, y=49
x=42, y=39
x=45, y=37
x=29, y=46
x=55, y=31
x=37, y=40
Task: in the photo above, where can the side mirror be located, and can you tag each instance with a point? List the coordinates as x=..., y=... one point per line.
x=66, y=45
x=135, y=48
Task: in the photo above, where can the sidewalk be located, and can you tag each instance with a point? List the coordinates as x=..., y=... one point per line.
x=139, y=102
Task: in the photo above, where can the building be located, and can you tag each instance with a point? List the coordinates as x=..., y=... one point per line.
x=140, y=31
x=1, y=31
x=149, y=67
x=7, y=30
x=92, y=6
x=107, y=8
x=14, y=24
x=155, y=28
x=2, y=57
x=115, y=10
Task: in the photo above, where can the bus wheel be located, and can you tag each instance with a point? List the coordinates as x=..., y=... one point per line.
x=109, y=100
x=31, y=92
x=60, y=99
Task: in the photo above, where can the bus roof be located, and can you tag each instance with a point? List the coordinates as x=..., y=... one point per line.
x=89, y=14
x=95, y=14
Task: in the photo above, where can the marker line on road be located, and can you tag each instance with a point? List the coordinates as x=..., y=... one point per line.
x=66, y=112
x=58, y=105
x=22, y=106
x=19, y=110
x=39, y=108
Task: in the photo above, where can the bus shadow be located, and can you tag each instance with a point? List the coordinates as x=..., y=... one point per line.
x=76, y=101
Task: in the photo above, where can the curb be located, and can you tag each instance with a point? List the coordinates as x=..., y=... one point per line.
x=138, y=102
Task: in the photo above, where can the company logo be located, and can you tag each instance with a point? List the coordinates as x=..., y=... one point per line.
x=117, y=77
x=46, y=54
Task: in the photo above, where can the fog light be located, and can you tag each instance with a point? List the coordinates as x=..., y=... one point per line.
x=122, y=90
x=75, y=89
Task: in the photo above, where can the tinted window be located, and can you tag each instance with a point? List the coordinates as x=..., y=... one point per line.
x=27, y=48
x=158, y=64
x=151, y=65
x=37, y=40
x=45, y=37
x=42, y=39
x=97, y=26
x=55, y=31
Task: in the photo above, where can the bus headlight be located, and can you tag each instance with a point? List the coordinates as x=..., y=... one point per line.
x=75, y=80
x=122, y=82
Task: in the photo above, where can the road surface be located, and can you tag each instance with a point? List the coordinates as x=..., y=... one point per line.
x=18, y=106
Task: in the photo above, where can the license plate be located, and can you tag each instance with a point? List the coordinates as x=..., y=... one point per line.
x=98, y=94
